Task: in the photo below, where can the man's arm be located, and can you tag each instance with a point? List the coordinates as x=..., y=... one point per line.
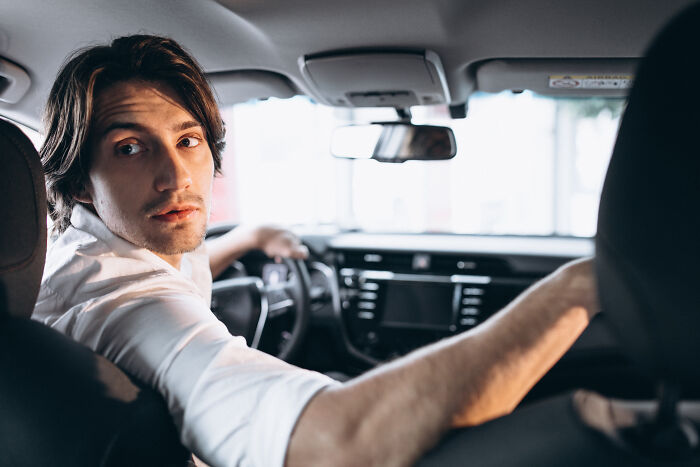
x=393, y=414
x=274, y=241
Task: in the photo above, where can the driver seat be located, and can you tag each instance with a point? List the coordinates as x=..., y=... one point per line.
x=60, y=403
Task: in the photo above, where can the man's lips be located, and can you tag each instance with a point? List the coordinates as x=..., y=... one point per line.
x=175, y=213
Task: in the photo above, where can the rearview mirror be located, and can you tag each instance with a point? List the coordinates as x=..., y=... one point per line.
x=394, y=142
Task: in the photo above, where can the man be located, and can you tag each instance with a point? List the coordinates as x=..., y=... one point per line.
x=133, y=142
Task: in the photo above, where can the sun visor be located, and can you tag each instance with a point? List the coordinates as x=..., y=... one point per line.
x=558, y=77
x=376, y=79
x=14, y=82
x=233, y=87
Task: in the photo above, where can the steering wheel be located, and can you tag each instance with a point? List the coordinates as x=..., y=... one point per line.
x=272, y=315
x=288, y=309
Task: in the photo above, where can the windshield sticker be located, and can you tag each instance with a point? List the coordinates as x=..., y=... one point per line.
x=590, y=81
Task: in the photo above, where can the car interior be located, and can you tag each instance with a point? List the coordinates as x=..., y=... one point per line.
x=399, y=79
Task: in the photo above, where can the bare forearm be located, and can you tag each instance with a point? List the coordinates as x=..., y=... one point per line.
x=523, y=341
x=275, y=242
x=392, y=415
x=227, y=248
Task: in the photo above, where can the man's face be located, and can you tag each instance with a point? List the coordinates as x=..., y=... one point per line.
x=151, y=168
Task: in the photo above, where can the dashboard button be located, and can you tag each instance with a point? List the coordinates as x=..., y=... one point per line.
x=365, y=315
x=373, y=258
x=368, y=296
x=468, y=321
x=473, y=291
x=366, y=305
x=421, y=262
x=471, y=301
x=469, y=311
x=466, y=265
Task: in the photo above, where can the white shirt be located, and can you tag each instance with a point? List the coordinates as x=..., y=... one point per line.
x=232, y=404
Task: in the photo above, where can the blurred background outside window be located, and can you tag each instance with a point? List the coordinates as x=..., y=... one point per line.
x=525, y=165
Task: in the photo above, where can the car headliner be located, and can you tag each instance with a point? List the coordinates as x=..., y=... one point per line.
x=272, y=35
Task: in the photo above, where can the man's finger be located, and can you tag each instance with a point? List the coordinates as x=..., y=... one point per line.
x=300, y=252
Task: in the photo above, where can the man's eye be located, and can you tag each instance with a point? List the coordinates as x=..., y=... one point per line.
x=190, y=142
x=130, y=149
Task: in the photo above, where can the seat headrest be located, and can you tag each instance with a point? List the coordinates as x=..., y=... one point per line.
x=648, y=241
x=23, y=226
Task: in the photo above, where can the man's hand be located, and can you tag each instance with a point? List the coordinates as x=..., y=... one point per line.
x=276, y=242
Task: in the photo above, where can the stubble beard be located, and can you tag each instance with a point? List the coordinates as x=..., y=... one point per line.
x=176, y=239
x=176, y=242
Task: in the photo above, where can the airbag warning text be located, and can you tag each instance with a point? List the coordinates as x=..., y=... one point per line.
x=590, y=81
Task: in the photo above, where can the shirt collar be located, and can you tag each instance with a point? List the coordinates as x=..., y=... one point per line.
x=84, y=219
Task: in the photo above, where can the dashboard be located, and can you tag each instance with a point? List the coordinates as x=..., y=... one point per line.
x=389, y=310
x=390, y=294
x=376, y=297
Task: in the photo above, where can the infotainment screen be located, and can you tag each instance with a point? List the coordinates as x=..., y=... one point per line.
x=416, y=304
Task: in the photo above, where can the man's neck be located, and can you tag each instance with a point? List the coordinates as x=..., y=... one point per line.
x=173, y=260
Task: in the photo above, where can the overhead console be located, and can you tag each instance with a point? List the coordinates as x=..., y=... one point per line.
x=394, y=302
x=376, y=78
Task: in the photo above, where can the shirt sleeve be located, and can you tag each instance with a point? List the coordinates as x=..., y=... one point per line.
x=233, y=405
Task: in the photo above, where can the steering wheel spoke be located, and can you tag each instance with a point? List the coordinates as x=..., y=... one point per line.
x=272, y=317
x=280, y=308
x=290, y=298
x=280, y=299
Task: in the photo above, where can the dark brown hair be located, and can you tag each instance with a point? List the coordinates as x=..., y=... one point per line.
x=69, y=110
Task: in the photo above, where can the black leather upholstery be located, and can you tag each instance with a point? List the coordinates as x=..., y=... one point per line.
x=544, y=434
x=60, y=403
x=23, y=232
x=648, y=243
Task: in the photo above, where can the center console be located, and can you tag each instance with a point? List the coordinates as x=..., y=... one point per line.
x=392, y=303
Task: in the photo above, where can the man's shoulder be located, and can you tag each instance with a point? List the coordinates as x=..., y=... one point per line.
x=81, y=270
x=72, y=257
x=79, y=258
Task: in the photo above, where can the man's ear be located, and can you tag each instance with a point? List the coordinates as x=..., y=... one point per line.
x=82, y=195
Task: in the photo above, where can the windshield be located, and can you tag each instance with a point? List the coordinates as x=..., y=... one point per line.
x=525, y=165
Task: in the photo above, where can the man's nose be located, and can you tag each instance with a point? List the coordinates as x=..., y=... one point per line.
x=172, y=173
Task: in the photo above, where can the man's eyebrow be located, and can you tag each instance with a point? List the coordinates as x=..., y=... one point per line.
x=120, y=126
x=186, y=125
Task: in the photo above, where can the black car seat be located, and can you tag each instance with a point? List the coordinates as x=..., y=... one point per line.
x=648, y=269
x=60, y=403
